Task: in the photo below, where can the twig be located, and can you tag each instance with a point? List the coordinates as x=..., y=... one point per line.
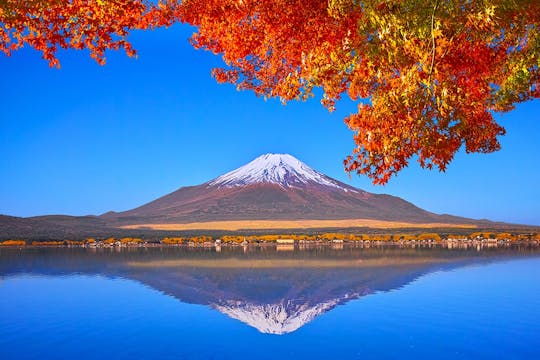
x=433, y=42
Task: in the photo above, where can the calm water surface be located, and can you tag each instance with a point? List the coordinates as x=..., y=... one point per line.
x=265, y=303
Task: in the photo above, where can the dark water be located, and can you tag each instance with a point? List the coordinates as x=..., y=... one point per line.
x=261, y=303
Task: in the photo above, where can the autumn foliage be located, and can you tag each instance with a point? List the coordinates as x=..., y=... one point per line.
x=183, y=240
x=13, y=243
x=96, y=25
x=427, y=75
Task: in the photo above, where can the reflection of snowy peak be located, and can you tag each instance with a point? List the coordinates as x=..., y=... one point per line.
x=280, y=169
x=279, y=318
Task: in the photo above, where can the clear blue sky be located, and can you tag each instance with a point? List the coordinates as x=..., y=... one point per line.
x=87, y=139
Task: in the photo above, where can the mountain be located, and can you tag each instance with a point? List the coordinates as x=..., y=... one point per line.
x=275, y=187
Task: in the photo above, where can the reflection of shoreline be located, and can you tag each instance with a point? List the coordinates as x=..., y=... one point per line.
x=281, y=247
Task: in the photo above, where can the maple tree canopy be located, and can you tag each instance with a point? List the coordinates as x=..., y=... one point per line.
x=427, y=74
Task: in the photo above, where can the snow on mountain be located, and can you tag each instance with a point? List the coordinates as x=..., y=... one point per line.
x=279, y=318
x=281, y=169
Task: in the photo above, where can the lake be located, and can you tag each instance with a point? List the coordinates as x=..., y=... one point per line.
x=264, y=302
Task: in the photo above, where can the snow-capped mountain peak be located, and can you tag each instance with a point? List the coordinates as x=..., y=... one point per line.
x=281, y=169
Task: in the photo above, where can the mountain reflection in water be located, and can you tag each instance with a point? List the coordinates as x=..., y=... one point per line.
x=274, y=292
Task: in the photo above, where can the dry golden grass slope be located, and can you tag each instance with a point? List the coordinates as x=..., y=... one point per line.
x=234, y=225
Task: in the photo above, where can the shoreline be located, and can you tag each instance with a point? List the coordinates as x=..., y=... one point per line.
x=298, y=245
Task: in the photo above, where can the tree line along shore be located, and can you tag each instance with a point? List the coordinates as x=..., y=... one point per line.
x=324, y=238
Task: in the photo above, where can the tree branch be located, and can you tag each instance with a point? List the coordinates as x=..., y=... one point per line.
x=433, y=41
